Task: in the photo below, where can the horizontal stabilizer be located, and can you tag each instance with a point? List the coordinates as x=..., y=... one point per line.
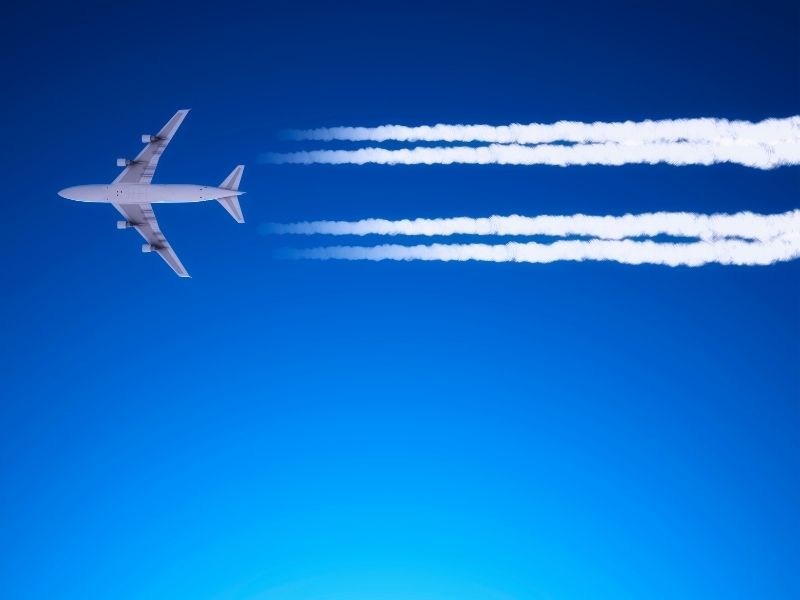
x=231, y=204
x=232, y=181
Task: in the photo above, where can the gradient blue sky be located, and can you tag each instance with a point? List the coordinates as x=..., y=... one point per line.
x=300, y=430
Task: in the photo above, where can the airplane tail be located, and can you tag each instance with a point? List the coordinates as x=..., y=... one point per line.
x=231, y=203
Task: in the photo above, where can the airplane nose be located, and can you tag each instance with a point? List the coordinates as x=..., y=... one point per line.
x=68, y=193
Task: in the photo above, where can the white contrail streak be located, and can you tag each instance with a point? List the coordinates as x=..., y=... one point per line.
x=726, y=252
x=769, y=131
x=743, y=225
x=762, y=156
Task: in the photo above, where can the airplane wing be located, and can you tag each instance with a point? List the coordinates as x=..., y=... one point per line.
x=141, y=217
x=141, y=169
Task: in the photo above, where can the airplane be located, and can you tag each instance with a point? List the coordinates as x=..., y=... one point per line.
x=133, y=194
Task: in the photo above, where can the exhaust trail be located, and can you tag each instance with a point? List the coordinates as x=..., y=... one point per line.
x=742, y=225
x=761, y=156
x=725, y=252
x=769, y=131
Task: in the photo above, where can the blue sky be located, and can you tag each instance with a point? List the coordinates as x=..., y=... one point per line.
x=288, y=429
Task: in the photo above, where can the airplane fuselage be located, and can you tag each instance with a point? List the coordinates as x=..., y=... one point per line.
x=145, y=193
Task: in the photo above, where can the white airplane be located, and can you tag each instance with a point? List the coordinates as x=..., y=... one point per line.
x=132, y=194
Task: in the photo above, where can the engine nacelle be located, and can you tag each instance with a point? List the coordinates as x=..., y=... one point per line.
x=147, y=248
x=124, y=224
x=123, y=162
x=147, y=138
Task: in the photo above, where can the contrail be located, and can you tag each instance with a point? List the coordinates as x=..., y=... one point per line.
x=762, y=156
x=770, y=131
x=726, y=252
x=742, y=225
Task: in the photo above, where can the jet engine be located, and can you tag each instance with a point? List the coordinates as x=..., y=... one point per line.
x=147, y=138
x=123, y=162
x=147, y=248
